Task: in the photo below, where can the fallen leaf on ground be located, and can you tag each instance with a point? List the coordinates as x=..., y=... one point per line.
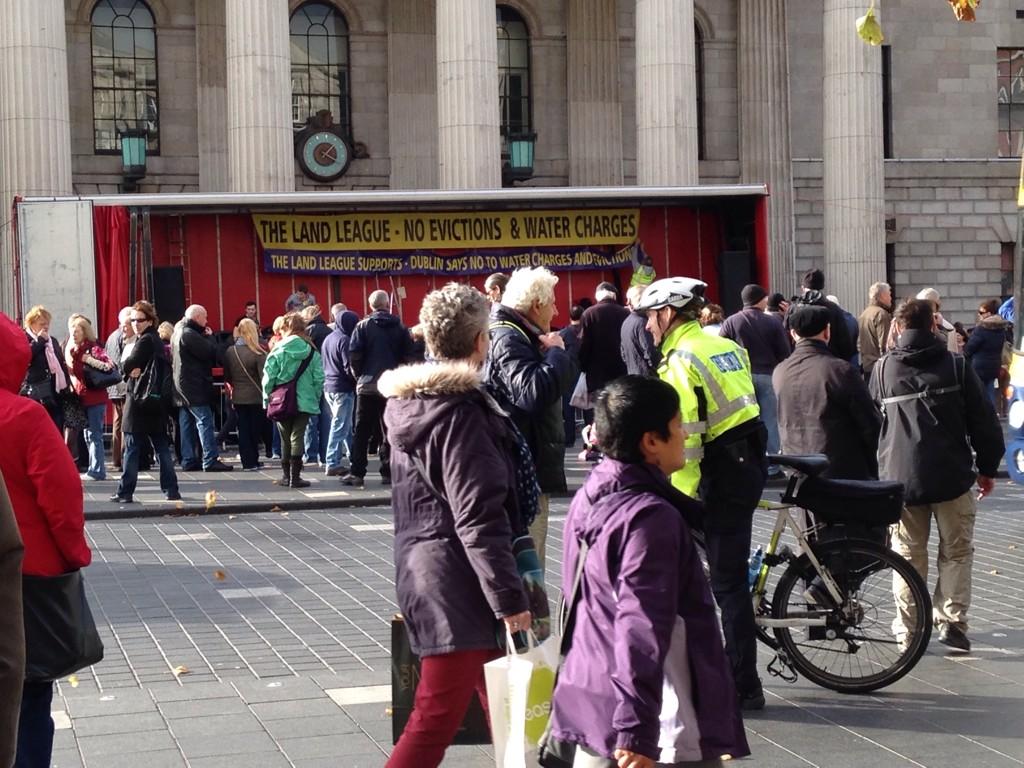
x=232, y=517
x=211, y=499
x=219, y=575
x=181, y=670
x=275, y=509
x=994, y=572
x=73, y=681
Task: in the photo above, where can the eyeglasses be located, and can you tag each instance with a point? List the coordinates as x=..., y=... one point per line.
x=135, y=320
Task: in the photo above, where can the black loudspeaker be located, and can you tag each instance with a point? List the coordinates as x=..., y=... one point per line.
x=169, y=293
x=734, y=272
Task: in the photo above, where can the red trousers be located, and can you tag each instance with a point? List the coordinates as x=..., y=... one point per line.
x=443, y=695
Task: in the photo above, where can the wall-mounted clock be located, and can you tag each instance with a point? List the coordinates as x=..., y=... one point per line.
x=323, y=155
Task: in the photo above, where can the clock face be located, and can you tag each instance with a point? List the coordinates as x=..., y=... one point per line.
x=323, y=156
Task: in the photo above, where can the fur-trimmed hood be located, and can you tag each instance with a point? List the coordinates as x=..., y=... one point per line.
x=422, y=395
x=430, y=379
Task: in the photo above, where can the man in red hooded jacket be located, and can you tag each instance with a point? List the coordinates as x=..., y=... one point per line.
x=46, y=494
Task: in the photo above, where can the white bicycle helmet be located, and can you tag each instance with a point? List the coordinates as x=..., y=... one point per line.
x=676, y=292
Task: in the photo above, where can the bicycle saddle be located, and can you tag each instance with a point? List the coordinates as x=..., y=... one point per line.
x=812, y=464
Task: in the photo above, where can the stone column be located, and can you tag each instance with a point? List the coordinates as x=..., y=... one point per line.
x=35, y=125
x=469, y=143
x=765, y=154
x=260, y=141
x=211, y=74
x=412, y=94
x=595, y=111
x=666, y=94
x=854, y=171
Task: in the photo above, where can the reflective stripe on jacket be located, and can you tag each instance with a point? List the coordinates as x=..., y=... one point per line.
x=716, y=391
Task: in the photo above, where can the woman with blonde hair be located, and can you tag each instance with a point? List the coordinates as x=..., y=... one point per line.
x=294, y=358
x=47, y=375
x=243, y=370
x=83, y=352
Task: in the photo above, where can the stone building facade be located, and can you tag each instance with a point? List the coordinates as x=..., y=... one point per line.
x=782, y=92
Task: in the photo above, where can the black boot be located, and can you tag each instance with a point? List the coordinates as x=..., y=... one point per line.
x=297, y=481
x=286, y=478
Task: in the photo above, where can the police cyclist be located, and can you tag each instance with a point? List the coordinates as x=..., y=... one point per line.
x=725, y=455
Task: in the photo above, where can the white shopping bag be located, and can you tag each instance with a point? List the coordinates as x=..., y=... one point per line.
x=519, y=688
x=580, y=396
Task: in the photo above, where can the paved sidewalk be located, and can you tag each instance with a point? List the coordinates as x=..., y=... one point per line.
x=241, y=492
x=263, y=640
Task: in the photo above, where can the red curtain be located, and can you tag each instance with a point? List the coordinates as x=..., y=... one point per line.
x=111, y=234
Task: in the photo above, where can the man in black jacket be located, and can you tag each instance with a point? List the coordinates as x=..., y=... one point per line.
x=378, y=343
x=315, y=439
x=601, y=338
x=824, y=405
x=840, y=343
x=639, y=351
x=194, y=354
x=528, y=371
x=766, y=343
x=934, y=413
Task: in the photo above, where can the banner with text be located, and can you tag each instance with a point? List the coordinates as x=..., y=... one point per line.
x=446, y=243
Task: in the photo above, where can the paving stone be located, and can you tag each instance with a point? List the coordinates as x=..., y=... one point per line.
x=195, y=746
x=125, y=743
x=164, y=758
x=215, y=724
x=102, y=704
x=114, y=724
x=317, y=725
x=326, y=746
x=174, y=710
x=281, y=710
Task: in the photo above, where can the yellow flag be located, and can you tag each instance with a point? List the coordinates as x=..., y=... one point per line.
x=964, y=9
x=1020, y=185
x=869, y=29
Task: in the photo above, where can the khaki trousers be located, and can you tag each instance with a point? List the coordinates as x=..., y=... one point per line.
x=539, y=529
x=955, y=522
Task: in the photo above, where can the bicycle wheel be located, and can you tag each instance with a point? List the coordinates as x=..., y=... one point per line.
x=858, y=649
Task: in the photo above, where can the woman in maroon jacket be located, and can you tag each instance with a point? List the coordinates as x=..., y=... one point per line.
x=457, y=506
x=83, y=352
x=46, y=494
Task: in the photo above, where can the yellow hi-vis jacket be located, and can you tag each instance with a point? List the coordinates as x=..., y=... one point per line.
x=716, y=391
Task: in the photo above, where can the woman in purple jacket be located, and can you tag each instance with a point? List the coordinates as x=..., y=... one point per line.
x=646, y=680
x=457, y=506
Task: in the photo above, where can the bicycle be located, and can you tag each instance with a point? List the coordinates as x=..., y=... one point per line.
x=833, y=614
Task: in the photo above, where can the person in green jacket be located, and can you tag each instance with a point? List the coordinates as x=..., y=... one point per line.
x=282, y=364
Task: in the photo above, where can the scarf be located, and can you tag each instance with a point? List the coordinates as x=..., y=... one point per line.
x=61, y=381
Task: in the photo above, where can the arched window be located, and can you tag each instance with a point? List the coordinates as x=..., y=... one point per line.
x=124, y=81
x=320, y=65
x=698, y=59
x=513, y=73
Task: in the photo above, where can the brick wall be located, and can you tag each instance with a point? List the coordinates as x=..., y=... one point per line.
x=951, y=219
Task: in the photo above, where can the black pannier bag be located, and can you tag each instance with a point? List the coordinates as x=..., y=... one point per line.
x=848, y=502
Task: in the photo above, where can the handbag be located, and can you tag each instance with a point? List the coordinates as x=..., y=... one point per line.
x=153, y=387
x=405, y=677
x=41, y=390
x=97, y=379
x=60, y=633
x=283, y=403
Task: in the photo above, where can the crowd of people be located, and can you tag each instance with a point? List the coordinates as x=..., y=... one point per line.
x=471, y=412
